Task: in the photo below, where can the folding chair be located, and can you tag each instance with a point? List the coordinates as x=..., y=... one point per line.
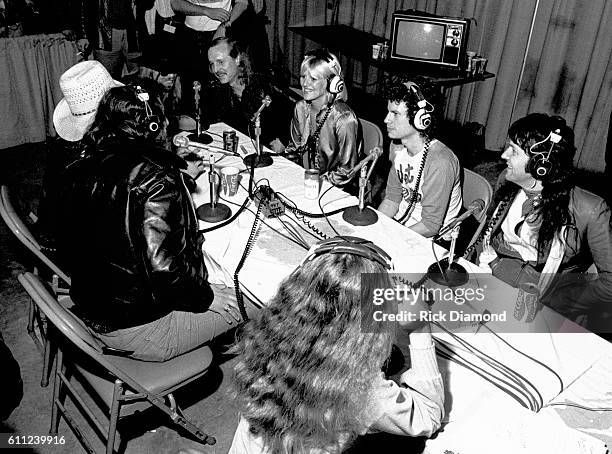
x=123, y=384
x=23, y=234
x=372, y=137
x=476, y=187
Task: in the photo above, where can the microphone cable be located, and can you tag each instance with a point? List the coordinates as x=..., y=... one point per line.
x=509, y=378
x=275, y=230
x=518, y=376
x=247, y=250
x=300, y=215
x=326, y=217
x=456, y=358
x=500, y=367
x=545, y=366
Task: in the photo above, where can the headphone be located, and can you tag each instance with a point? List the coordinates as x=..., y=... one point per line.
x=350, y=245
x=143, y=96
x=541, y=163
x=335, y=83
x=422, y=117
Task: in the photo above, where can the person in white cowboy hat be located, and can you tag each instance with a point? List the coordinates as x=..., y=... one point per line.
x=129, y=236
x=83, y=86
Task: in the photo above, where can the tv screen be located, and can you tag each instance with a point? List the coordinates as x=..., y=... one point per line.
x=420, y=40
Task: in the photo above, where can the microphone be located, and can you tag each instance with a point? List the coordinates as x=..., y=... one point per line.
x=259, y=159
x=360, y=214
x=264, y=103
x=474, y=208
x=447, y=271
x=182, y=141
x=373, y=155
x=197, y=86
x=198, y=134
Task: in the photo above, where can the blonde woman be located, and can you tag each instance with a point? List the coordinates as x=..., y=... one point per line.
x=325, y=132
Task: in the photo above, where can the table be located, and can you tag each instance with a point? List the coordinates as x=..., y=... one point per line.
x=357, y=44
x=479, y=416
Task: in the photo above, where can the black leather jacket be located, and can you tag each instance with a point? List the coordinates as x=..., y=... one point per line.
x=130, y=238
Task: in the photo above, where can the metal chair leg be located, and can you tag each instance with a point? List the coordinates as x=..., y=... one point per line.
x=47, y=363
x=57, y=384
x=114, y=416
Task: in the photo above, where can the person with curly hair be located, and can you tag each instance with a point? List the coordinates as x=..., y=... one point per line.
x=308, y=377
x=325, y=132
x=423, y=187
x=547, y=231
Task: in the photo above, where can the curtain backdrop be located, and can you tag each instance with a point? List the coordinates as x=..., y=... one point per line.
x=30, y=68
x=568, y=63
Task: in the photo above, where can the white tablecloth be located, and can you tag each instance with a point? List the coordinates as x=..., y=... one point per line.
x=473, y=404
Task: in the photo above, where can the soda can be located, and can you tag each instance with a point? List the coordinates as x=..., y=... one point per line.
x=312, y=184
x=527, y=302
x=230, y=141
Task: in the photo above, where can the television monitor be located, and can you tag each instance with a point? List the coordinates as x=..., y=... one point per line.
x=434, y=40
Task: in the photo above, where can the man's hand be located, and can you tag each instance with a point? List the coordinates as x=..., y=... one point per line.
x=218, y=14
x=227, y=309
x=82, y=44
x=277, y=146
x=415, y=306
x=339, y=177
x=195, y=166
x=69, y=34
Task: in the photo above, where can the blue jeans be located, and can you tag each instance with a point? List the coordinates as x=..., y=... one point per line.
x=176, y=333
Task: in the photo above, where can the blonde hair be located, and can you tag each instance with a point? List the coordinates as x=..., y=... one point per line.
x=323, y=64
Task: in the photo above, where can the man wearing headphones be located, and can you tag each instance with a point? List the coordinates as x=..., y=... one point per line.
x=129, y=239
x=423, y=187
x=545, y=231
x=325, y=132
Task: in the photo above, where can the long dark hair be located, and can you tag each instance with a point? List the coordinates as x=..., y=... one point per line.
x=123, y=116
x=559, y=182
x=307, y=366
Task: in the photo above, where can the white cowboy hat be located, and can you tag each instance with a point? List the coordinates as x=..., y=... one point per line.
x=83, y=86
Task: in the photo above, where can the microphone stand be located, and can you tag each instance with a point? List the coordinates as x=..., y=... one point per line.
x=360, y=214
x=447, y=271
x=213, y=211
x=199, y=136
x=259, y=159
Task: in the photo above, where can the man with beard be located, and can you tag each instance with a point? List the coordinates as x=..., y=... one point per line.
x=236, y=92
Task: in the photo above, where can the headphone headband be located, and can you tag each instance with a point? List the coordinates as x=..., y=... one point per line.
x=351, y=245
x=540, y=164
x=335, y=84
x=422, y=117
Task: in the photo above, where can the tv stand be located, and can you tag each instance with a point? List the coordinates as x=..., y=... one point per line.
x=356, y=44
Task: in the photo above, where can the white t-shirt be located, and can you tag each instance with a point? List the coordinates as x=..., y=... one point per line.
x=439, y=191
x=205, y=23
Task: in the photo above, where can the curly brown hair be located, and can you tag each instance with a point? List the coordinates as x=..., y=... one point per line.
x=307, y=367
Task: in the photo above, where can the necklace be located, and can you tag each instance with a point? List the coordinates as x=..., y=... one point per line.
x=313, y=141
x=415, y=193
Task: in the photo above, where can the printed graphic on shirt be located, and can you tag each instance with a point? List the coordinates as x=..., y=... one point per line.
x=406, y=174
